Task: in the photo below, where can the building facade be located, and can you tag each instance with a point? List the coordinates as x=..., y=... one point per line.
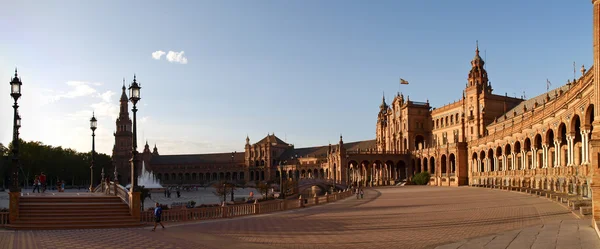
x=548, y=142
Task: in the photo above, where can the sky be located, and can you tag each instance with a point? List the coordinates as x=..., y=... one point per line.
x=213, y=72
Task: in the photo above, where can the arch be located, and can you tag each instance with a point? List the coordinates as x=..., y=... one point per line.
x=490, y=156
x=402, y=170
x=194, y=177
x=452, y=161
x=315, y=173
x=228, y=176
x=432, y=165
x=419, y=142
x=425, y=164
x=321, y=173
x=173, y=177
x=443, y=164
x=180, y=177
x=482, y=158
x=234, y=176
x=252, y=175
x=221, y=175
x=159, y=176
x=262, y=175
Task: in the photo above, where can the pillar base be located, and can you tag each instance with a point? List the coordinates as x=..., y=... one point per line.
x=13, y=206
x=134, y=204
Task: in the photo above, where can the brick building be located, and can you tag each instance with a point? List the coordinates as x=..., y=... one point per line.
x=548, y=142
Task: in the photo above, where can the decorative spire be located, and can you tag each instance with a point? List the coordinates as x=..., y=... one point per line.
x=16, y=75
x=477, y=47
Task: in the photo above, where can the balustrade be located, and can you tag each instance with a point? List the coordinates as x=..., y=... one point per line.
x=3, y=219
x=207, y=213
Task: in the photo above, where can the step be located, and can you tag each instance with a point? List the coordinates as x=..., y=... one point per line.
x=80, y=217
x=61, y=199
x=71, y=210
x=71, y=226
x=80, y=221
x=74, y=214
x=76, y=204
x=70, y=200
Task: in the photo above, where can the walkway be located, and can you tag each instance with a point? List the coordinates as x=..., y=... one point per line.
x=389, y=217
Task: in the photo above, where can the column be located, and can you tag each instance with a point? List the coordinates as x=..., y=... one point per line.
x=556, y=153
x=544, y=158
x=585, y=146
x=523, y=160
x=513, y=162
x=570, y=152
x=505, y=163
x=533, y=158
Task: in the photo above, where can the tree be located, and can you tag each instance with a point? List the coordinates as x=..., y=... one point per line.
x=222, y=189
x=421, y=178
x=263, y=188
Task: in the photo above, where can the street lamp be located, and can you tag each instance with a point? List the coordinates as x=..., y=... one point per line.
x=281, y=190
x=15, y=92
x=224, y=193
x=93, y=126
x=134, y=97
x=233, y=164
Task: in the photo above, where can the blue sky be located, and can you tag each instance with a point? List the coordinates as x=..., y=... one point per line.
x=306, y=70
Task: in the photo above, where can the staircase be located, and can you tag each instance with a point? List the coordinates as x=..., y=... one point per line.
x=73, y=212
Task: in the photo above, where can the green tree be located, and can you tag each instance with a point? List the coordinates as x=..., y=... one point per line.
x=421, y=178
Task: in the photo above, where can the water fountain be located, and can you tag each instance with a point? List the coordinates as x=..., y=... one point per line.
x=148, y=180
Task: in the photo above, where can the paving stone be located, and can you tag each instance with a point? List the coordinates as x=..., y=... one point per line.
x=390, y=217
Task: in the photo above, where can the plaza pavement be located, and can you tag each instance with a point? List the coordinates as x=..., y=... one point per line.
x=389, y=217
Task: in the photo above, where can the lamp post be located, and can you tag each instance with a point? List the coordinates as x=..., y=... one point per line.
x=224, y=193
x=15, y=86
x=134, y=97
x=281, y=190
x=93, y=126
x=232, y=182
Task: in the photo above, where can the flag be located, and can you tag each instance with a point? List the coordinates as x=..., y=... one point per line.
x=403, y=81
x=548, y=84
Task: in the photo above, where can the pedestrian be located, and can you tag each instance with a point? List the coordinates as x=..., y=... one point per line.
x=43, y=182
x=357, y=193
x=107, y=183
x=362, y=193
x=165, y=192
x=157, y=216
x=36, y=184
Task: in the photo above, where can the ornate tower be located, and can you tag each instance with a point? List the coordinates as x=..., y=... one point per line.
x=123, y=141
x=477, y=88
x=247, y=154
x=381, y=125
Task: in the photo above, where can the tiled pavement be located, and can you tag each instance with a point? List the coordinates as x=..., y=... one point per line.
x=393, y=217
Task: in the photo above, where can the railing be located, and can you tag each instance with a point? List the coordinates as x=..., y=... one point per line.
x=3, y=219
x=122, y=193
x=207, y=213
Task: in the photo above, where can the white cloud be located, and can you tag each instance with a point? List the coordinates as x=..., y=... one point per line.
x=80, y=89
x=156, y=55
x=177, y=57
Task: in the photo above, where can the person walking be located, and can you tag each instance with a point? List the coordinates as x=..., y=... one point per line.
x=36, y=184
x=107, y=183
x=43, y=182
x=362, y=193
x=157, y=216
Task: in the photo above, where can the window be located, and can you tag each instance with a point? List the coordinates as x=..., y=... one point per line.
x=471, y=130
